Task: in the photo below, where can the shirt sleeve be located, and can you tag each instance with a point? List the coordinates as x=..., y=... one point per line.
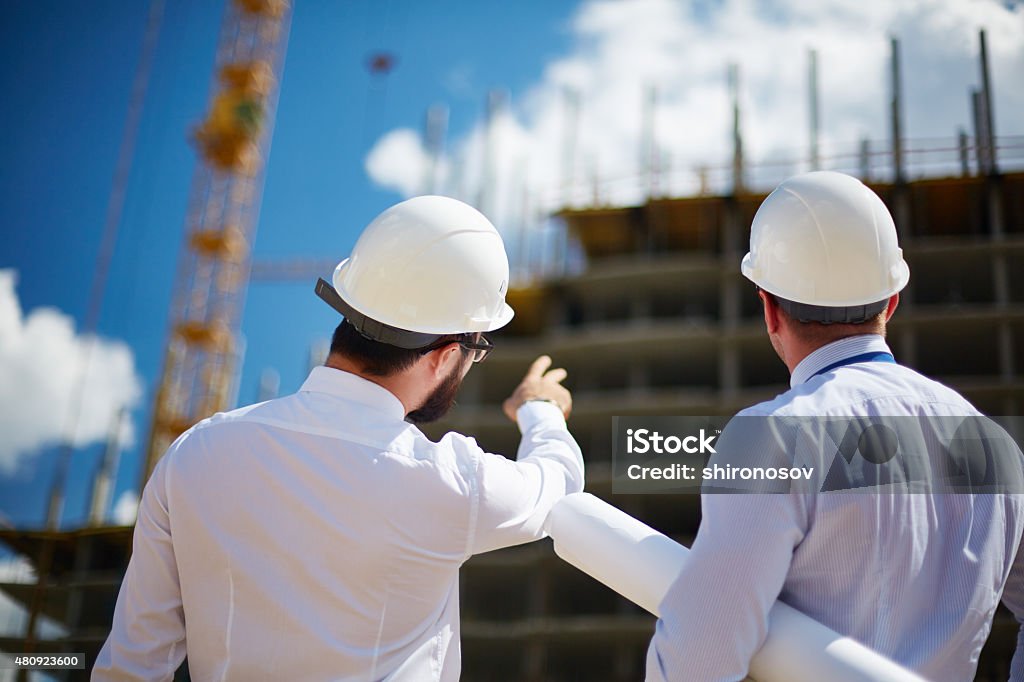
x=1013, y=598
x=148, y=631
x=514, y=497
x=715, y=616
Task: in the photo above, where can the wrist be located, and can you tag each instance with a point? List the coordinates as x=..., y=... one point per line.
x=533, y=412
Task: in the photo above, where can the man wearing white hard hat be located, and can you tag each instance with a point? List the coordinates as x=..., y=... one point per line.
x=319, y=536
x=915, y=576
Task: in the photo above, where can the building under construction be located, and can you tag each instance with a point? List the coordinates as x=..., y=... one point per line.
x=658, y=321
x=662, y=323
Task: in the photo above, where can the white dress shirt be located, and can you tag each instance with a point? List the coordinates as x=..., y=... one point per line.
x=319, y=537
x=914, y=576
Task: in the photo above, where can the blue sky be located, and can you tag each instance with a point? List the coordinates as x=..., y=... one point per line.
x=66, y=70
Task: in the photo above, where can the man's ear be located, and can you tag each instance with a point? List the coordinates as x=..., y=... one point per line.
x=894, y=302
x=442, y=359
x=771, y=312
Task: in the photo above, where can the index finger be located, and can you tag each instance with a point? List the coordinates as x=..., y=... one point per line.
x=556, y=375
x=539, y=366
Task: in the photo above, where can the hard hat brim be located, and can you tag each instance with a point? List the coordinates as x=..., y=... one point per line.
x=503, y=318
x=370, y=328
x=472, y=324
x=900, y=277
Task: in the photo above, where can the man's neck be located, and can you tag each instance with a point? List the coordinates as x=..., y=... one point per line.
x=393, y=384
x=803, y=349
x=796, y=355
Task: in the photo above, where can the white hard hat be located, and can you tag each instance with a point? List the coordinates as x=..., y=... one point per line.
x=424, y=268
x=826, y=243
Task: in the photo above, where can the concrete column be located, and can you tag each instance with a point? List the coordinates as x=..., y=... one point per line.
x=901, y=212
x=82, y=561
x=639, y=377
x=902, y=215
x=1012, y=404
x=535, y=652
x=1001, y=288
x=593, y=310
x=555, y=310
x=1007, y=370
x=729, y=304
x=996, y=222
x=640, y=307
x=907, y=345
x=1000, y=280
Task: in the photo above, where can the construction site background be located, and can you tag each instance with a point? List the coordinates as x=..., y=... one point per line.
x=641, y=301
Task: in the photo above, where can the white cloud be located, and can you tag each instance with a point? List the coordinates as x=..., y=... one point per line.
x=621, y=47
x=40, y=361
x=399, y=161
x=16, y=568
x=125, y=509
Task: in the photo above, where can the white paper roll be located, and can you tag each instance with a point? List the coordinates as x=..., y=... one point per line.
x=641, y=564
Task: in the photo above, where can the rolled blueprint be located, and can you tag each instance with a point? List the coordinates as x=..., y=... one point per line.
x=641, y=564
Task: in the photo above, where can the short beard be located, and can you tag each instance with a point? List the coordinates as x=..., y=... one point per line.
x=440, y=401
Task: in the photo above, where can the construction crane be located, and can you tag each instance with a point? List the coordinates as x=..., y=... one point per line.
x=233, y=141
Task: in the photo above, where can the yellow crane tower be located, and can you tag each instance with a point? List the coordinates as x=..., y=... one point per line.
x=233, y=141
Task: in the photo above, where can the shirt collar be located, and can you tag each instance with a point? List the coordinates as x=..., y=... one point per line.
x=834, y=352
x=354, y=388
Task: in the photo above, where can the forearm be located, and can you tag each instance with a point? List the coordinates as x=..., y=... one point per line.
x=515, y=497
x=715, y=616
x=709, y=626
x=545, y=435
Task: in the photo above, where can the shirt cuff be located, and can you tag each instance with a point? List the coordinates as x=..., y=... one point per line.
x=533, y=412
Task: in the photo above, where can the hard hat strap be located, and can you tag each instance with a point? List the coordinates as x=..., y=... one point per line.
x=853, y=314
x=370, y=328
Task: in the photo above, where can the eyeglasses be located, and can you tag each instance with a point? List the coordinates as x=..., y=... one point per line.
x=479, y=347
x=478, y=344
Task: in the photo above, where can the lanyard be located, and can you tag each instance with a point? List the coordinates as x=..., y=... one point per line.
x=874, y=356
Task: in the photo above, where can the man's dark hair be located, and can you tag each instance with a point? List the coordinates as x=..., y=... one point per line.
x=373, y=357
x=819, y=334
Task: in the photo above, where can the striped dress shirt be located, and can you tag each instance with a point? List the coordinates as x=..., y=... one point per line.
x=915, y=576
